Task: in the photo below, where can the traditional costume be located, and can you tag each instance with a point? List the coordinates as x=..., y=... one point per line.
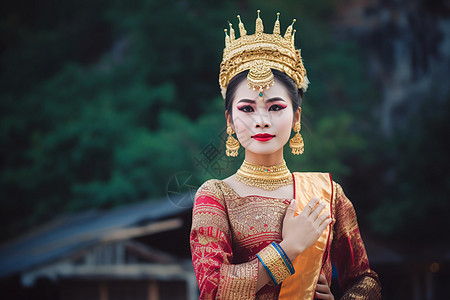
x=231, y=234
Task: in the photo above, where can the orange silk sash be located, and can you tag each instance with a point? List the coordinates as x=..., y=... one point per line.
x=302, y=284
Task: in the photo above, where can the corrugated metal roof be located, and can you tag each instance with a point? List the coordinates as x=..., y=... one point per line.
x=69, y=234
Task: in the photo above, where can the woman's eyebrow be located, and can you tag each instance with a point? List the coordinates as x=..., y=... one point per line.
x=275, y=99
x=246, y=101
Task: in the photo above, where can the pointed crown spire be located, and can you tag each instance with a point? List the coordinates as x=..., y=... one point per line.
x=227, y=38
x=259, y=27
x=276, y=28
x=288, y=33
x=242, y=30
x=232, y=34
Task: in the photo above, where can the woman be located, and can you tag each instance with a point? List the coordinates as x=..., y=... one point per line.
x=264, y=232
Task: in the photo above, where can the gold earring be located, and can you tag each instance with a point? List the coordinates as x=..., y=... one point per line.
x=296, y=143
x=232, y=144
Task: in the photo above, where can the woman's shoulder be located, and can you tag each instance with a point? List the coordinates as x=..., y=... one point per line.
x=338, y=191
x=212, y=188
x=210, y=182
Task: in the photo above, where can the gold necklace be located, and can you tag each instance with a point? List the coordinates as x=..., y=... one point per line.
x=267, y=178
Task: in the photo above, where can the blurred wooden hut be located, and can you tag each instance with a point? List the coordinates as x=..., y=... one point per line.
x=136, y=252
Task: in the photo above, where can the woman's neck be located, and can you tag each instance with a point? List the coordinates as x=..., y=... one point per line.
x=267, y=160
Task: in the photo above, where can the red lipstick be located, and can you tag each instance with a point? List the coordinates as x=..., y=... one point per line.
x=262, y=137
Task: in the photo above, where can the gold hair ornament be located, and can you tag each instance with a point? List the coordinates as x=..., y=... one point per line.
x=296, y=143
x=259, y=53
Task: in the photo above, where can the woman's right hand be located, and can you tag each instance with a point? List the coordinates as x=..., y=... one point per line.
x=302, y=231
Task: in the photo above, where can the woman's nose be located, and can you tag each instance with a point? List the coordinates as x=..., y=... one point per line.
x=262, y=121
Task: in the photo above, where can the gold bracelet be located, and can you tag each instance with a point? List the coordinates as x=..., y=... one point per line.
x=274, y=263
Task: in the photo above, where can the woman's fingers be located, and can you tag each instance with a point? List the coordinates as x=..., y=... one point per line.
x=323, y=296
x=321, y=218
x=322, y=279
x=324, y=224
x=322, y=289
x=310, y=206
x=291, y=209
x=315, y=213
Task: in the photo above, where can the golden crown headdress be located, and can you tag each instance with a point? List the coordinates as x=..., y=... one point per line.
x=260, y=53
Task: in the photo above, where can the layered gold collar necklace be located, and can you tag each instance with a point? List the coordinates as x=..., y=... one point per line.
x=267, y=178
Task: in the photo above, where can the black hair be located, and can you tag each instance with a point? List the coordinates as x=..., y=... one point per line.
x=295, y=94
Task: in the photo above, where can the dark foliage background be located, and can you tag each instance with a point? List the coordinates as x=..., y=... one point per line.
x=102, y=102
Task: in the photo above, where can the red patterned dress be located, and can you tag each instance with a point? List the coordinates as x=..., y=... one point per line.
x=228, y=231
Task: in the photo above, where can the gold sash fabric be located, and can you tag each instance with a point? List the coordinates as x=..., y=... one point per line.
x=302, y=284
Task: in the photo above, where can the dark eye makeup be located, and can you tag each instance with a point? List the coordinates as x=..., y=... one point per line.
x=277, y=107
x=245, y=108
